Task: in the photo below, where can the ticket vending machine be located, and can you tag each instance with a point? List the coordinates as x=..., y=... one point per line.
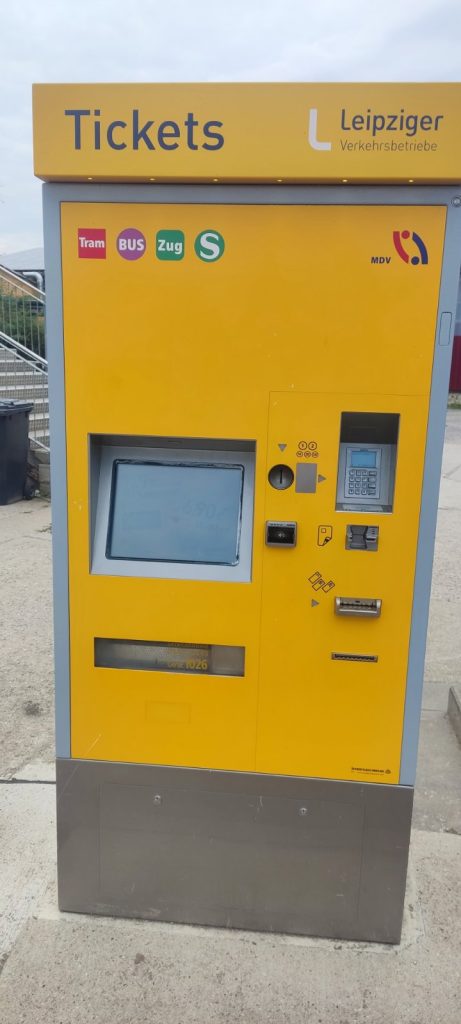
x=249, y=359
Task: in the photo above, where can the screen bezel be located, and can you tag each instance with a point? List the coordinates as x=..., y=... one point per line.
x=105, y=449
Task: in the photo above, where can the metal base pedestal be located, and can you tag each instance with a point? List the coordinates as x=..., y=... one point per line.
x=262, y=852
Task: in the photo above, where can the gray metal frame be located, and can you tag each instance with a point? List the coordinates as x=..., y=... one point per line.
x=448, y=297
x=58, y=466
x=102, y=565
x=449, y=196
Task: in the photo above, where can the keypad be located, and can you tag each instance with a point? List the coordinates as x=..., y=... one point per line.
x=362, y=483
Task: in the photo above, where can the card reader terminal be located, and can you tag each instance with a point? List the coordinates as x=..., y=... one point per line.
x=362, y=472
x=366, y=477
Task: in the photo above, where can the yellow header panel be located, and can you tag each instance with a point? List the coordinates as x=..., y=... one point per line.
x=248, y=132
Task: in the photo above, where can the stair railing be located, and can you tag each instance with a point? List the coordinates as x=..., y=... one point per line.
x=22, y=313
x=22, y=334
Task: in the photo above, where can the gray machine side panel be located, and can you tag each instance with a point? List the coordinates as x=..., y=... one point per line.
x=259, y=195
x=58, y=465
x=231, y=849
x=54, y=195
x=429, y=498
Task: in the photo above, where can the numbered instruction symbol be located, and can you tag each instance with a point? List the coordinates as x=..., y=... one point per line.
x=169, y=245
x=209, y=246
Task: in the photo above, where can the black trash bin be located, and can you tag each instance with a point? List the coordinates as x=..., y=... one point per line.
x=14, y=447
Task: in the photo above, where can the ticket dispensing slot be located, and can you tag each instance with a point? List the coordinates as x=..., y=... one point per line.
x=366, y=470
x=367, y=607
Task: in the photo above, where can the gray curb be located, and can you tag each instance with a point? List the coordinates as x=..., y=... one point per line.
x=454, y=709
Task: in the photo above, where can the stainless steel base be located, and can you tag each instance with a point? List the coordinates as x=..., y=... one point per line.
x=238, y=850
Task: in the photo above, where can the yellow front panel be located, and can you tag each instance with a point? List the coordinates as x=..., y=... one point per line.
x=293, y=325
x=340, y=716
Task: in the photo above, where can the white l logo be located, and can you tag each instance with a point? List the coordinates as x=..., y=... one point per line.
x=312, y=132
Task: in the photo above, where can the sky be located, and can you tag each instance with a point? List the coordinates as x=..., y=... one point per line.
x=201, y=40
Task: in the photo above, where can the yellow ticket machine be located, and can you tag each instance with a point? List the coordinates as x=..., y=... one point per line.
x=249, y=340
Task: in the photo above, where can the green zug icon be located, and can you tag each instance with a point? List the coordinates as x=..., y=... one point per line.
x=169, y=245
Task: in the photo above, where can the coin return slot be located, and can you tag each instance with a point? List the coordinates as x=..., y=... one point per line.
x=368, y=607
x=336, y=656
x=153, y=656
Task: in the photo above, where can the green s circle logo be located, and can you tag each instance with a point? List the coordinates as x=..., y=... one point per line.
x=209, y=246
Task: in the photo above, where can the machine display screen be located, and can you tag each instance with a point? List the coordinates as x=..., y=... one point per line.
x=175, y=512
x=363, y=459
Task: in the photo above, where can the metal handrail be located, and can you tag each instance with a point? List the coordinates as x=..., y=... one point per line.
x=22, y=313
x=19, y=379
x=18, y=282
x=24, y=353
x=25, y=371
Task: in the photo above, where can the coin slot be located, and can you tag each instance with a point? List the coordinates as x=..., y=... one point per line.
x=281, y=477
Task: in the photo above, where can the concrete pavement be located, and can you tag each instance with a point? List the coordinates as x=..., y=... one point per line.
x=82, y=970
x=72, y=969
x=26, y=670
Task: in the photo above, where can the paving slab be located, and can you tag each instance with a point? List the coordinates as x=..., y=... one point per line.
x=71, y=969
x=36, y=771
x=27, y=855
x=443, y=654
x=454, y=710
x=435, y=696
x=437, y=803
x=26, y=670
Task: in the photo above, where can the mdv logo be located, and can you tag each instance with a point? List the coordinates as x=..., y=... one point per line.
x=399, y=237
x=312, y=132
